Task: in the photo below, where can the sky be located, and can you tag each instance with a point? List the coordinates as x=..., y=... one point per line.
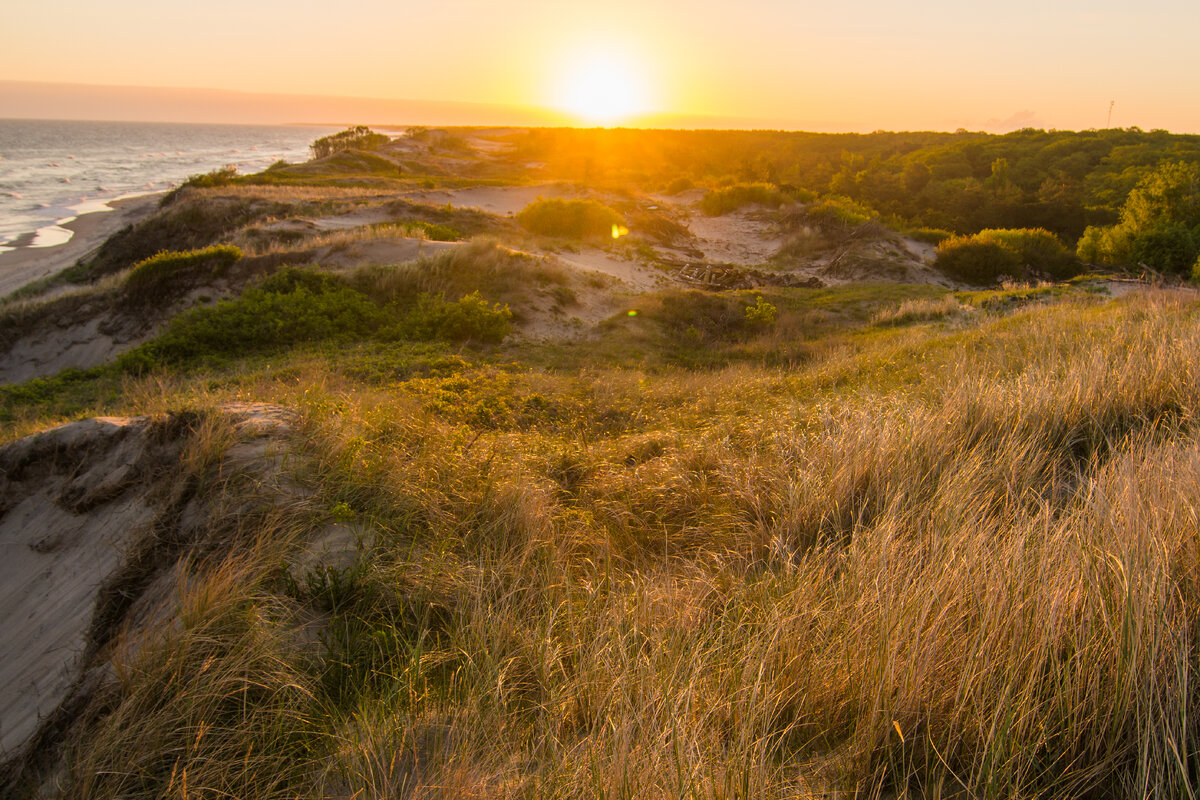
x=853, y=65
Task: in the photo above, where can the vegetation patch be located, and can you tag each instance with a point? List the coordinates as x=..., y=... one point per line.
x=731, y=198
x=359, y=137
x=194, y=220
x=1159, y=225
x=1022, y=254
x=569, y=219
x=168, y=275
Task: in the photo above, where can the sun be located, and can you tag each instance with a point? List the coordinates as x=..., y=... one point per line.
x=603, y=89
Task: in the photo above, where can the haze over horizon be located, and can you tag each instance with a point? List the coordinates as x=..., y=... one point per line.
x=864, y=65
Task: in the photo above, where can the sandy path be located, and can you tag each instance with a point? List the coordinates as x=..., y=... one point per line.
x=502, y=200
x=27, y=264
x=637, y=276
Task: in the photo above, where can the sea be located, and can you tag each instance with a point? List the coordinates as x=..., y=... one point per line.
x=51, y=171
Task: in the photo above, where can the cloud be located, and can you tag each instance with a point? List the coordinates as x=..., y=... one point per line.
x=1015, y=121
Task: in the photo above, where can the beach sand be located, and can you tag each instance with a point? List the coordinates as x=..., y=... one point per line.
x=27, y=264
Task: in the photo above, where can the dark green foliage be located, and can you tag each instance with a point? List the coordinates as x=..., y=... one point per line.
x=571, y=219
x=471, y=318
x=194, y=220
x=217, y=177
x=838, y=213
x=1024, y=253
x=698, y=328
x=930, y=235
x=168, y=275
x=1170, y=195
x=1168, y=248
x=359, y=137
x=740, y=195
x=1159, y=223
x=975, y=261
x=295, y=306
x=290, y=307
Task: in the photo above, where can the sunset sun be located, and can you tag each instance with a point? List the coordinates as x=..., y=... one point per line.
x=603, y=89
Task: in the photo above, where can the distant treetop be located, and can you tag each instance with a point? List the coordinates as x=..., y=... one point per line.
x=359, y=137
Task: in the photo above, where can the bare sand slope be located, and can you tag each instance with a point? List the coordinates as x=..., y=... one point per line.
x=51, y=347
x=631, y=273
x=86, y=510
x=735, y=238
x=502, y=200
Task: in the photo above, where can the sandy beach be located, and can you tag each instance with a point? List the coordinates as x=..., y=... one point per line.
x=27, y=264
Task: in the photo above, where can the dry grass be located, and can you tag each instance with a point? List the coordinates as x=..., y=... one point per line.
x=725, y=584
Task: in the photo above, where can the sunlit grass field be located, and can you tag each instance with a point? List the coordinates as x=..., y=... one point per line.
x=948, y=548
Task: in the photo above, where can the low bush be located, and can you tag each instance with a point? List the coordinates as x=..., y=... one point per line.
x=976, y=261
x=679, y=185
x=762, y=314
x=169, y=274
x=740, y=195
x=570, y=219
x=933, y=236
x=838, y=212
x=471, y=318
x=1169, y=248
x=1022, y=253
x=222, y=176
x=297, y=306
x=290, y=307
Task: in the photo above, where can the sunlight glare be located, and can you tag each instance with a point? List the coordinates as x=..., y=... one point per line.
x=603, y=89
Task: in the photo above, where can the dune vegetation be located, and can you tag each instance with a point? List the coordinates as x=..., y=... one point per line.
x=855, y=538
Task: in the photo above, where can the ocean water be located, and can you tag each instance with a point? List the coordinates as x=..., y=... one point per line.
x=54, y=170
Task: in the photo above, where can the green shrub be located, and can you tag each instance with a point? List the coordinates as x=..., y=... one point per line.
x=1023, y=253
x=296, y=306
x=1170, y=248
x=839, y=212
x=679, y=185
x=1196, y=271
x=933, y=236
x=218, y=177
x=740, y=195
x=168, y=274
x=359, y=137
x=1037, y=249
x=762, y=314
x=290, y=307
x=975, y=261
x=471, y=318
x=572, y=219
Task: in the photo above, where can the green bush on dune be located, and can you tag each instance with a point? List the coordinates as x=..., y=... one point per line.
x=571, y=219
x=1021, y=253
x=168, y=274
x=740, y=195
x=297, y=306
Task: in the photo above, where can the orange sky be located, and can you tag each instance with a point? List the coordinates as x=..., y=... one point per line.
x=854, y=65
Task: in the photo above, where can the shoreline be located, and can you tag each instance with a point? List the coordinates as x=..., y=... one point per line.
x=25, y=264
